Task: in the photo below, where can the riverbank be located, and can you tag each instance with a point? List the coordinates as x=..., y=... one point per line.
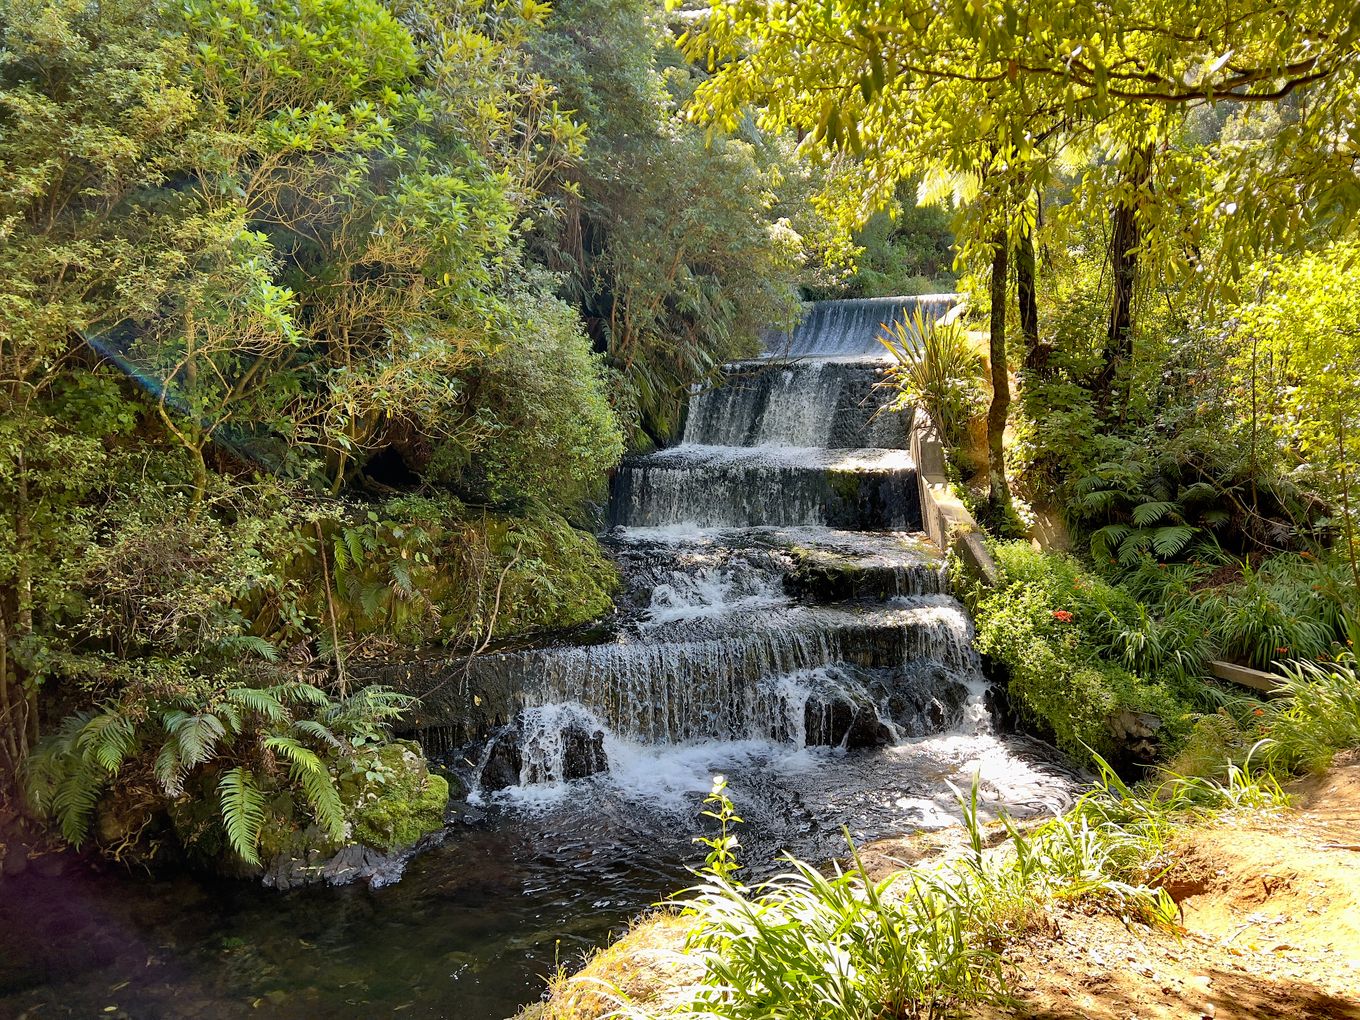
x=1269, y=925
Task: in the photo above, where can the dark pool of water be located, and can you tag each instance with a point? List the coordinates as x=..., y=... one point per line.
x=477, y=924
x=471, y=931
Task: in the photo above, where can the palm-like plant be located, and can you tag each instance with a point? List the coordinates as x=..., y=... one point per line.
x=937, y=369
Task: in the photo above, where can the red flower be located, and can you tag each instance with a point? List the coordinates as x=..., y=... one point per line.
x=1282, y=651
x=1062, y=616
x=1258, y=711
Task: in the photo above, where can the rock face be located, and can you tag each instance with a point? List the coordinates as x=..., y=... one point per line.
x=540, y=746
x=1135, y=736
x=838, y=720
x=352, y=863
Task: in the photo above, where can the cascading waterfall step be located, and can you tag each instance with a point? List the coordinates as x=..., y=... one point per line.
x=816, y=402
x=867, y=490
x=698, y=573
x=671, y=684
x=779, y=613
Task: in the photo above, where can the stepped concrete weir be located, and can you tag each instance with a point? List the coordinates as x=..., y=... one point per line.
x=780, y=598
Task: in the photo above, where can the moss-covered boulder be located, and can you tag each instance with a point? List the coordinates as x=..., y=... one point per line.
x=391, y=798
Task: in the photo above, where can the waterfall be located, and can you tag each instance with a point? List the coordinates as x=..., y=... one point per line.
x=851, y=328
x=777, y=590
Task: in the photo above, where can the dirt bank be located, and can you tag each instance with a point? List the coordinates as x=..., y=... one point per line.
x=1270, y=907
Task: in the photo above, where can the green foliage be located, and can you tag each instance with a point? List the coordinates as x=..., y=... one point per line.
x=939, y=370
x=675, y=273
x=924, y=941
x=1060, y=630
x=545, y=434
x=1317, y=714
x=288, y=738
x=421, y=569
x=721, y=860
x=906, y=250
x=285, y=238
x=242, y=812
x=1296, y=352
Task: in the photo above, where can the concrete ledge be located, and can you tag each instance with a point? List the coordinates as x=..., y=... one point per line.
x=1244, y=675
x=943, y=516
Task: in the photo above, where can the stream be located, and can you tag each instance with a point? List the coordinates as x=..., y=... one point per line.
x=782, y=623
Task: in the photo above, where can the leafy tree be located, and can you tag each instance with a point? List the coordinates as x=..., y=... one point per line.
x=93, y=119
x=987, y=101
x=672, y=247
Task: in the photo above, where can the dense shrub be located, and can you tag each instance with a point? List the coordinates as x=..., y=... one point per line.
x=1069, y=643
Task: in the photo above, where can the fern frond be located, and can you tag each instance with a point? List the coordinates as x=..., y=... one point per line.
x=1151, y=512
x=108, y=738
x=299, y=693
x=1170, y=540
x=321, y=732
x=196, y=735
x=249, y=644
x=75, y=798
x=1108, y=538
x=264, y=703
x=168, y=768
x=242, y=812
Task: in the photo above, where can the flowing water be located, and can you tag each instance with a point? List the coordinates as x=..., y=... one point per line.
x=782, y=623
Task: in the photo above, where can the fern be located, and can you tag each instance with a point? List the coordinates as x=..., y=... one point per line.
x=242, y=812
x=76, y=797
x=308, y=770
x=196, y=735
x=1153, y=511
x=264, y=703
x=108, y=738
x=321, y=732
x=1171, y=540
x=169, y=769
x=248, y=645
x=300, y=693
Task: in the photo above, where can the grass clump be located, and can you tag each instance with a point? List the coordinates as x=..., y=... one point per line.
x=926, y=941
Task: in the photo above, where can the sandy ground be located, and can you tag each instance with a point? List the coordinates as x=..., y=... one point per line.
x=1270, y=907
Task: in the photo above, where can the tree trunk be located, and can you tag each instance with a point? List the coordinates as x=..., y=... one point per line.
x=1125, y=237
x=998, y=492
x=1036, y=354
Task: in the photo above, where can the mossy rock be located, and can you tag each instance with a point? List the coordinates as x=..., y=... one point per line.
x=391, y=798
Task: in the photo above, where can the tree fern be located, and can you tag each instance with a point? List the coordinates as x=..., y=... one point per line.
x=1153, y=511
x=1169, y=540
x=242, y=812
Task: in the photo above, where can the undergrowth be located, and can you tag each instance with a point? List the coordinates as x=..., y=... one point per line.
x=927, y=941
